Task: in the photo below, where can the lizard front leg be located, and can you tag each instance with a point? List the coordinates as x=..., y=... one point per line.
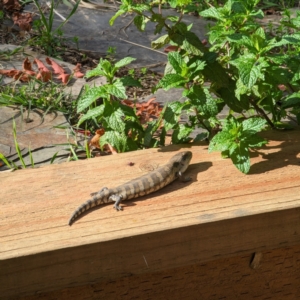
x=183, y=178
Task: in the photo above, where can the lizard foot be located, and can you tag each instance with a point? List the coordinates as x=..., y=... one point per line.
x=117, y=199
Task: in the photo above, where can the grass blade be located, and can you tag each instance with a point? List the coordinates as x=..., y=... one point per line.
x=31, y=157
x=17, y=145
x=53, y=158
x=3, y=158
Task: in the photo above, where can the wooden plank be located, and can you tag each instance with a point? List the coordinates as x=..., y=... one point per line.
x=220, y=213
x=277, y=277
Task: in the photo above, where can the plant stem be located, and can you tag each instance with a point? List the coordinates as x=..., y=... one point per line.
x=261, y=112
x=200, y=120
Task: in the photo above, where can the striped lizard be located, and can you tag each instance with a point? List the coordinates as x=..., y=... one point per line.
x=141, y=186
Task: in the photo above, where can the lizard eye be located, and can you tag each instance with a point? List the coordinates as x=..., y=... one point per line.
x=175, y=164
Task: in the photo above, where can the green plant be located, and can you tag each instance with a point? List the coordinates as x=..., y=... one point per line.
x=144, y=71
x=251, y=70
x=101, y=105
x=11, y=164
x=131, y=72
x=49, y=38
x=47, y=96
x=111, y=52
x=6, y=55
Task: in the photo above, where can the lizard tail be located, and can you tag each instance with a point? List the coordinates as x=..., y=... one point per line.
x=80, y=210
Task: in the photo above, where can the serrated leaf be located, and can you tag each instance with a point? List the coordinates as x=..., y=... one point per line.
x=241, y=39
x=114, y=138
x=241, y=159
x=160, y=42
x=254, y=124
x=255, y=141
x=220, y=142
x=98, y=71
x=171, y=80
x=114, y=117
x=141, y=7
x=124, y=62
x=241, y=89
x=176, y=60
x=92, y=113
x=91, y=96
x=212, y=12
x=183, y=132
x=171, y=114
x=116, y=89
x=250, y=68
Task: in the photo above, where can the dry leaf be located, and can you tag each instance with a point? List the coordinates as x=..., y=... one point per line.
x=77, y=72
x=44, y=73
x=63, y=76
x=24, y=20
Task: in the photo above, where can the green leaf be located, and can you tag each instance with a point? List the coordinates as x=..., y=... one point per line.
x=104, y=68
x=200, y=137
x=241, y=159
x=114, y=138
x=213, y=71
x=212, y=12
x=292, y=100
x=91, y=96
x=254, y=124
x=255, y=141
x=160, y=42
x=117, y=14
x=149, y=131
x=236, y=138
x=176, y=61
x=172, y=114
x=250, y=68
x=124, y=62
x=114, y=116
x=206, y=105
x=241, y=39
x=92, y=113
x=171, y=80
x=130, y=81
x=181, y=134
x=116, y=89
x=140, y=22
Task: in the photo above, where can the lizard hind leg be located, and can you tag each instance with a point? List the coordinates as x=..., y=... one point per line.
x=117, y=199
x=102, y=190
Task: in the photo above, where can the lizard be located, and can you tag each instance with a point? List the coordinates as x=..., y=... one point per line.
x=140, y=186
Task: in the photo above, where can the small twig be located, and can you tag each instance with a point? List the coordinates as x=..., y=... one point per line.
x=154, y=65
x=125, y=27
x=144, y=47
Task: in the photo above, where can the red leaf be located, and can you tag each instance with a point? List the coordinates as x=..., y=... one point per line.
x=56, y=67
x=77, y=72
x=44, y=73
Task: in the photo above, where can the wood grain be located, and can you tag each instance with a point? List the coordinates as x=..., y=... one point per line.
x=220, y=214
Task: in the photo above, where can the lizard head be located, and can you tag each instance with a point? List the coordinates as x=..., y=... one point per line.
x=181, y=160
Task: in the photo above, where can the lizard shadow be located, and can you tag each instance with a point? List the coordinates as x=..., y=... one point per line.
x=191, y=172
